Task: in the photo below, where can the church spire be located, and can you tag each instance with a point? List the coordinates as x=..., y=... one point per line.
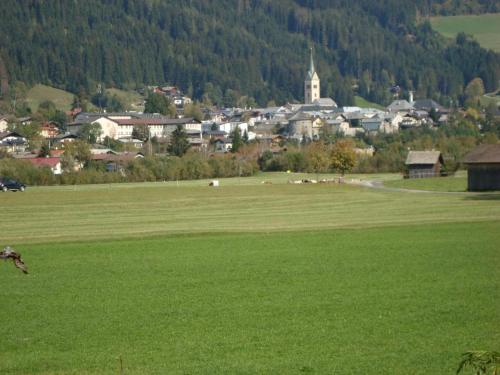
x=311, y=84
x=311, y=67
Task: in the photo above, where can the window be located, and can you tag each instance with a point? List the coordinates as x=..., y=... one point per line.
x=308, y=86
x=315, y=86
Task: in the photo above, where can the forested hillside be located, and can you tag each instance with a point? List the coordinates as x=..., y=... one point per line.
x=225, y=48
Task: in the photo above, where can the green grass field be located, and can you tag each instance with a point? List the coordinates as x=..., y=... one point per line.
x=247, y=278
x=485, y=28
x=452, y=184
x=39, y=93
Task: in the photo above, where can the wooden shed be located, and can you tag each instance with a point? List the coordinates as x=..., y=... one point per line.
x=421, y=164
x=483, y=168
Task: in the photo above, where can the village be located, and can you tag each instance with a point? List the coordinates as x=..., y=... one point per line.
x=214, y=132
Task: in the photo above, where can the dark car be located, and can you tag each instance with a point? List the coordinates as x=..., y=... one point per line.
x=9, y=184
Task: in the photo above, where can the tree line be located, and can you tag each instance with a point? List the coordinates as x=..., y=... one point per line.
x=257, y=49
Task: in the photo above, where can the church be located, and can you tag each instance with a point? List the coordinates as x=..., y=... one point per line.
x=307, y=121
x=312, y=89
x=312, y=83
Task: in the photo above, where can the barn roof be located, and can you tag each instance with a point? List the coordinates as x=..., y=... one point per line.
x=483, y=154
x=423, y=157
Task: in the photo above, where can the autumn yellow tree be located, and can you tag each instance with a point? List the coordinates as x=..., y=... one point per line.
x=317, y=156
x=342, y=156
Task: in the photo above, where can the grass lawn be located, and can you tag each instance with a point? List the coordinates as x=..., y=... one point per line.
x=247, y=278
x=39, y=93
x=456, y=184
x=363, y=103
x=485, y=28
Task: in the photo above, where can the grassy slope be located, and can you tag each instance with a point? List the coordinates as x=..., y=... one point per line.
x=406, y=297
x=363, y=103
x=132, y=100
x=39, y=93
x=485, y=28
x=457, y=184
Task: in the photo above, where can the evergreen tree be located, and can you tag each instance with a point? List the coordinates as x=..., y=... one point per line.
x=159, y=103
x=236, y=139
x=179, y=143
x=371, y=44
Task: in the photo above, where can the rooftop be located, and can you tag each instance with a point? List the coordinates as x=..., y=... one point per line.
x=423, y=157
x=483, y=154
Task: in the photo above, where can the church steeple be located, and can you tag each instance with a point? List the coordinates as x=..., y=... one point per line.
x=311, y=66
x=311, y=84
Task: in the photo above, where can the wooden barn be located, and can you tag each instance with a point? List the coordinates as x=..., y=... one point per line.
x=483, y=168
x=421, y=164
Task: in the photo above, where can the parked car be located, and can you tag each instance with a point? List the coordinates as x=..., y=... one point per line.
x=9, y=184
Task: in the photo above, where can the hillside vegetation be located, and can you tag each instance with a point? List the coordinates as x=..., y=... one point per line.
x=40, y=93
x=485, y=28
x=222, y=49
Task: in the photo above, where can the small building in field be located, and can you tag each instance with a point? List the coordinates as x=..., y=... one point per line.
x=483, y=168
x=54, y=163
x=421, y=164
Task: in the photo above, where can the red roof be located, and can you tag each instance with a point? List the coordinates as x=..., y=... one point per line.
x=45, y=162
x=154, y=121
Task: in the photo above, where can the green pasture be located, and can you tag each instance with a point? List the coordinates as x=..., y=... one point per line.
x=247, y=278
x=451, y=184
x=131, y=100
x=40, y=93
x=485, y=28
x=363, y=103
x=73, y=213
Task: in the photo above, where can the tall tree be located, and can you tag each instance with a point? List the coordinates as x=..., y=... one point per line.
x=343, y=157
x=236, y=139
x=159, y=103
x=179, y=143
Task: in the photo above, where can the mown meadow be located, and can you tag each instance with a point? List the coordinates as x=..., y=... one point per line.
x=247, y=278
x=485, y=28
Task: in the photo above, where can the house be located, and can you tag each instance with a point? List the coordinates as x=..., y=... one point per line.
x=483, y=168
x=373, y=124
x=304, y=124
x=421, y=164
x=399, y=106
x=3, y=123
x=229, y=127
x=49, y=129
x=13, y=142
x=222, y=145
x=54, y=163
x=65, y=138
x=115, y=161
x=341, y=126
x=427, y=105
x=121, y=125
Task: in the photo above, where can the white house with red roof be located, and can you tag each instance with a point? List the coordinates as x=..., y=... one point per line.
x=53, y=163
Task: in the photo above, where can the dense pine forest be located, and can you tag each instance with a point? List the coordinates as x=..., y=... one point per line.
x=225, y=48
